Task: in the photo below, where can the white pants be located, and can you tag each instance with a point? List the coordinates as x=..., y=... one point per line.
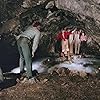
x=77, y=47
x=65, y=47
x=71, y=38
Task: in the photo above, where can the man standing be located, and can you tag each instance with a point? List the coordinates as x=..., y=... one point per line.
x=27, y=45
x=77, y=41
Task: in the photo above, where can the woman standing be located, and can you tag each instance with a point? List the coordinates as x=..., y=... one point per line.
x=71, y=41
x=65, y=45
x=83, y=39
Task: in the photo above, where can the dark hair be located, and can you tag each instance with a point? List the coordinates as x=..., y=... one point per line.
x=36, y=24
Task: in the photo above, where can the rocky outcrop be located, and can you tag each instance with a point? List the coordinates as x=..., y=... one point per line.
x=88, y=12
x=81, y=13
x=96, y=38
x=84, y=8
x=10, y=25
x=62, y=71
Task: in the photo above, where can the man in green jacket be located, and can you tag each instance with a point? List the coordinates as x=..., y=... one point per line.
x=27, y=45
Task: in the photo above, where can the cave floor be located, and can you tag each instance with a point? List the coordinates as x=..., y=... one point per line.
x=55, y=87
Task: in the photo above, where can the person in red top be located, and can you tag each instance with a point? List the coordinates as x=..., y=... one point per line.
x=71, y=41
x=65, y=45
x=59, y=36
x=58, y=39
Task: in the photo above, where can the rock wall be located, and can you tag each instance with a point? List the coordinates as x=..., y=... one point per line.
x=88, y=11
x=89, y=8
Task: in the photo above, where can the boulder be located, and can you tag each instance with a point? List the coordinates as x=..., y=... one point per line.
x=78, y=73
x=61, y=71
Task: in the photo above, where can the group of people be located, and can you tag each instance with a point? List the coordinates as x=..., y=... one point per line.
x=73, y=41
x=28, y=41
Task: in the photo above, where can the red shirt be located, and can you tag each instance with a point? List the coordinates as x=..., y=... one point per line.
x=59, y=36
x=62, y=36
x=66, y=35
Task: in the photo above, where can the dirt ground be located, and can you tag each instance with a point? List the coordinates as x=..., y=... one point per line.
x=54, y=87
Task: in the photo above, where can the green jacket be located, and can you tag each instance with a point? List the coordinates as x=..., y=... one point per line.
x=31, y=33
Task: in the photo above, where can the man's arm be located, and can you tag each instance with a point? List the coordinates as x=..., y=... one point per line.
x=74, y=30
x=35, y=43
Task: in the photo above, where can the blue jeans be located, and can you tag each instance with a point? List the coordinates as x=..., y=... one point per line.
x=25, y=55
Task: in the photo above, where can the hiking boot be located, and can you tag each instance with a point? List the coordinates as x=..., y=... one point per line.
x=21, y=77
x=32, y=80
x=23, y=73
x=25, y=80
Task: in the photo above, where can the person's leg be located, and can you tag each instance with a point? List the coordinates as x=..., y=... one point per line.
x=57, y=47
x=71, y=48
x=66, y=47
x=63, y=46
x=67, y=50
x=84, y=47
x=63, y=49
x=21, y=59
x=75, y=47
x=78, y=48
x=27, y=57
x=81, y=48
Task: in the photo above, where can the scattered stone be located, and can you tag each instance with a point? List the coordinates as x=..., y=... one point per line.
x=95, y=72
x=63, y=71
x=79, y=73
x=82, y=74
x=74, y=72
x=52, y=69
x=44, y=81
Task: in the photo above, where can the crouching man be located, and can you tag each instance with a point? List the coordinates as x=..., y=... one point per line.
x=27, y=45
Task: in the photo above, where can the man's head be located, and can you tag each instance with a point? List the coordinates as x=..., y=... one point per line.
x=37, y=24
